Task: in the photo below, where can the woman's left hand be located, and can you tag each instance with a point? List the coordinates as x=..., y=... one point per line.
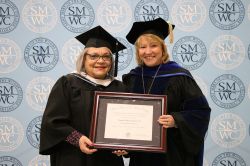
x=167, y=121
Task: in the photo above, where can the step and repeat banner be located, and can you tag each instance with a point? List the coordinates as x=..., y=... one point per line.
x=37, y=46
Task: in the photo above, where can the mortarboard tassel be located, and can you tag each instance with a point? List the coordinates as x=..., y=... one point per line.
x=171, y=34
x=116, y=60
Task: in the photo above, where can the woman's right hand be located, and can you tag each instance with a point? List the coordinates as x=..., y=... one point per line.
x=85, y=145
x=167, y=121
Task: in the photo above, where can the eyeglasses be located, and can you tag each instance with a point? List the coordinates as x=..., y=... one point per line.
x=96, y=57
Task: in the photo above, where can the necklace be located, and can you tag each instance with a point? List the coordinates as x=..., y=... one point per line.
x=143, y=84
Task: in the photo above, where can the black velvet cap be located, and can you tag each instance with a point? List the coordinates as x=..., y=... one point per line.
x=157, y=27
x=99, y=37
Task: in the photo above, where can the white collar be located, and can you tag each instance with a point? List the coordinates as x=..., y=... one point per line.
x=105, y=82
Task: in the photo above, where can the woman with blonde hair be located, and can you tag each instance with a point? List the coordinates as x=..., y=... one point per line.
x=188, y=112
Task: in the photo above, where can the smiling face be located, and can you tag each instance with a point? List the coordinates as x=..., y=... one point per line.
x=149, y=51
x=97, y=64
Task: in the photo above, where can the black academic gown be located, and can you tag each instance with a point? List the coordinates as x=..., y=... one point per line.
x=188, y=106
x=69, y=108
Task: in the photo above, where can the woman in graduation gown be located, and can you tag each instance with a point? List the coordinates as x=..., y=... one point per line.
x=188, y=112
x=66, y=121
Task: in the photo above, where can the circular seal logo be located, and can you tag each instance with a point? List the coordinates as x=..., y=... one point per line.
x=147, y=10
x=114, y=15
x=70, y=52
x=190, y=52
x=227, y=52
x=226, y=14
x=227, y=91
x=125, y=56
x=41, y=54
x=11, y=133
x=228, y=130
x=77, y=15
x=9, y=16
x=10, y=55
x=228, y=158
x=33, y=132
x=9, y=160
x=11, y=94
x=40, y=160
x=189, y=15
x=39, y=16
x=37, y=92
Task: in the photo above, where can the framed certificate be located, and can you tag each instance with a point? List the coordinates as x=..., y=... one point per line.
x=128, y=121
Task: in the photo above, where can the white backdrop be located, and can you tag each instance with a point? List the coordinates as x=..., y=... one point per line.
x=37, y=46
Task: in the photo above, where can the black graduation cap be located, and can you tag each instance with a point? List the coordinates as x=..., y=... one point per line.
x=99, y=37
x=157, y=27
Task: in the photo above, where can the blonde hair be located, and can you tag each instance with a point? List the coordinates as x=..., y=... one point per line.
x=151, y=37
x=80, y=61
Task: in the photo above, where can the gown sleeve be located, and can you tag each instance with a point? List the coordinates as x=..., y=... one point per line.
x=193, y=116
x=74, y=138
x=55, y=127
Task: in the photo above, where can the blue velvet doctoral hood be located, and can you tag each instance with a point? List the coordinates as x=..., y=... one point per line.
x=192, y=115
x=168, y=69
